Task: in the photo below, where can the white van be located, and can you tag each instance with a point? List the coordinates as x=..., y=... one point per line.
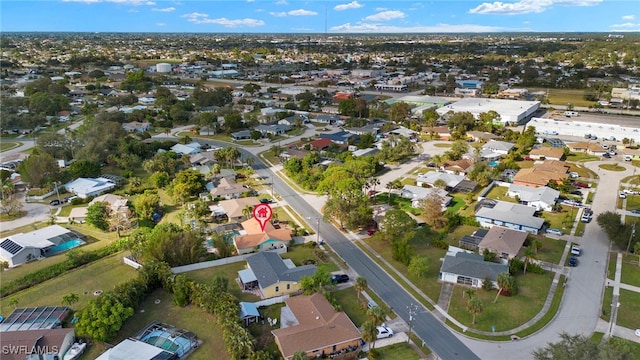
x=571, y=113
x=627, y=158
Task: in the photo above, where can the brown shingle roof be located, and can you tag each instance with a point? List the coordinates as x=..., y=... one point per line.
x=547, y=152
x=319, y=326
x=255, y=236
x=233, y=208
x=503, y=240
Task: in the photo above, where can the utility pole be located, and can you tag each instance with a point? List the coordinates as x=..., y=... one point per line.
x=318, y=233
x=412, y=312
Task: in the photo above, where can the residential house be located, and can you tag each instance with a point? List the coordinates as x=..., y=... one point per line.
x=203, y=158
x=495, y=149
x=320, y=144
x=431, y=177
x=589, y=148
x=365, y=152
x=340, y=137
x=273, y=129
x=241, y=135
x=233, y=207
x=20, y=248
x=504, y=242
x=136, y=126
x=547, y=153
x=253, y=238
x=481, y=136
x=437, y=132
x=405, y=132
x=418, y=193
x=276, y=277
x=187, y=149
x=513, y=216
x=542, y=173
x=540, y=198
x=313, y=326
x=88, y=187
x=36, y=344
x=367, y=129
x=227, y=188
x=327, y=118
x=462, y=166
x=466, y=268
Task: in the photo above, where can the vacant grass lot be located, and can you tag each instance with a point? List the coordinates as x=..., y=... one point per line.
x=563, y=97
x=348, y=300
x=630, y=270
x=629, y=310
x=500, y=193
x=551, y=250
x=508, y=312
x=189, y=318
x=397, y=351
x=103, y=274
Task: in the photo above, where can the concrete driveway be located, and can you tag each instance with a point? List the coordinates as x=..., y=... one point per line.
x=35, y=212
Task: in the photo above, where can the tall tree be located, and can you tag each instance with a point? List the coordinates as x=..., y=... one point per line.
x=475, y=307
x=503, y=283
x=361, y=285
x=98, y=215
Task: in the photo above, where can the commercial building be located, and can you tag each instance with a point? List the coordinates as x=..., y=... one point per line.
x=510, y=111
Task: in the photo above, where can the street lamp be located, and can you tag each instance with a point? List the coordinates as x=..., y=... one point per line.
x=317, y=228
x=412, y=312
x=633, y=232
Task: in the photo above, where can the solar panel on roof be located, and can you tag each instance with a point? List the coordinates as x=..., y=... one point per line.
x=11, y=246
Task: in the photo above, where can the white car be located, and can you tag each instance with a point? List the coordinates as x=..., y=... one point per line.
x=384, y=332
x=575, y=250
x=637, y=332
x=574, y=175
x=622, y=195
x=554, y=231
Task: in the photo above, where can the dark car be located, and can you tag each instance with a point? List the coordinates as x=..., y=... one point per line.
x=265, y=201
x=635, y=211
x=576, y=192
x=54, y=202
x=573, y=261
x=339, y=278
x=606, y=155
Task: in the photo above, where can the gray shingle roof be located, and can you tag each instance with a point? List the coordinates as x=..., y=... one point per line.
x=511, y=213
x=270, y=269
x=472, y=265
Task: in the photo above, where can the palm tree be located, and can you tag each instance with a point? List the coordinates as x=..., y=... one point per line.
x=474, y=306
x=536, y=245
x=7, y=188
x=470, y=292
x=215, y=170
x=247, y=211
x=369, y=333
x=503, y=281
x=393, y=185
x=373, y=182
x=530, y=254
x=361, y=285
x=70, y=299
x=377, y=315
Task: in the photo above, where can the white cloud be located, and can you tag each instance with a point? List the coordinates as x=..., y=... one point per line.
x=439, y=28
x=169, y=9
x=380, y=9
x=351, y=5
x=281, y=2
x=200, y=18
x=385, y=16
x=629, y=17
x=302, y=12
x=526, y=6
x=278, y=14
x=161, y=24
x=626, y=25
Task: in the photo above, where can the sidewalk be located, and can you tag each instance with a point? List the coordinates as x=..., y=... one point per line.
x=611, y=328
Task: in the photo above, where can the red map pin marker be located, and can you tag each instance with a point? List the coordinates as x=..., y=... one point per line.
x=262, y=213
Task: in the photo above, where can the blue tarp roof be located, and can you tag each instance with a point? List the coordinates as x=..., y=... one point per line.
x=248, y=309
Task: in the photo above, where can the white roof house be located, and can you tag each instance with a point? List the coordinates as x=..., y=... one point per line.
x=417, y=193
x=20, y=248
x=451, y=180
x=540, y=198
x=187, y=149
x=87, y=187
x=132, y=349
x=510, y=215
x=499, y=147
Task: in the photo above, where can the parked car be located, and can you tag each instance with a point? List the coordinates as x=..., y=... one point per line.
x=55, y=202
x=606, y=155
x=69, y=198
x=554, y=231
x=371, y=231
x=585, y=219
x=574, y=175
x=384, y=332
x=580, y=184
x=371, y=304
x=576, y=192
x=527, y=158
x=575, y=250
x=637, y=332
x=573, y=261
x=622, y=195
x=635, y=211
x=339, y=278
x=265, y=201
x=371, y=193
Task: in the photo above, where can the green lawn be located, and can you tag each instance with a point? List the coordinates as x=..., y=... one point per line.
x=456, y=204
x=629, y=310
x=612, y=167
x=4, y=146
x=606, y=304
x=443, y=145
x=268, y=155
x=397, y=202
x=551, y=250
x=583, y=171
x=13, y=216
x=562, y=220
x=633, y=202
x=103, y=274
x=611, y=269
x=630, y=270
x=581, y=157
x=580, y=228
x=500, y=193
x=397, y=351
x=348, y=300
x=565, y=96
x=633, y=179
x=508, y=312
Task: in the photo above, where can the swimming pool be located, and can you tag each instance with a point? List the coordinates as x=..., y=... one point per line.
x=64, y=246
x=493, y=163
x=170, y=342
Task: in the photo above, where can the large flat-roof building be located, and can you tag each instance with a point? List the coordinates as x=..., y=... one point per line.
x=510, y=111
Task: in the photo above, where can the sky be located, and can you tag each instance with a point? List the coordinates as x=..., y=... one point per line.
x=320, y=16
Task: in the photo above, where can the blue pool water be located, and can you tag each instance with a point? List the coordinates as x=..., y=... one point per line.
x=493, y=163
x=163, y=340
x=64, y=246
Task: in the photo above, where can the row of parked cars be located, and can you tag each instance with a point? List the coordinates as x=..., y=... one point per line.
x=57, y=202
